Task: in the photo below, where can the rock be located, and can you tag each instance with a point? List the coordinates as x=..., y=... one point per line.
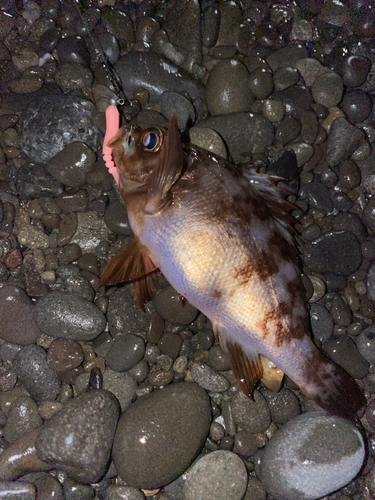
x=220, y=475
x=342, y=350
x=343, y=139
x=125, y=352
x=244, y=133
x=311, y=456
x=78, y=438
x=69, y=316
x=17, y=324
x=22, y=418
x=71, y=165
x=51, y=122
x=153, y=431
x=34, y=374
x=157, y=74
x=91, y=231
x=208, y=378
x=335, y=252
x=253, y=416
x=366, y=344
x=17, y=490
x=173, y=308
x=123, y=313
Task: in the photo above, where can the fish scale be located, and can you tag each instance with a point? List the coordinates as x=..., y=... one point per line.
x=220, y=233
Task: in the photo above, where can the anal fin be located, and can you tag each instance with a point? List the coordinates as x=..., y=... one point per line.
x=246, y=365
x=133, y=263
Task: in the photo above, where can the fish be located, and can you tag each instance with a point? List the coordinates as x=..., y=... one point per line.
x=222, y=235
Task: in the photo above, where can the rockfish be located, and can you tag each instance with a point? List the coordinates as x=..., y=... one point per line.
x=221, y=235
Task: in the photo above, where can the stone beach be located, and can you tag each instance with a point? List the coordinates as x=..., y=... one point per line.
x=101, y=400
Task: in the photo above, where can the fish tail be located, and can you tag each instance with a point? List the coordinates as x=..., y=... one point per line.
x=332, y=388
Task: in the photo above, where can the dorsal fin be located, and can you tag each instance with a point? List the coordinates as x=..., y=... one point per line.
x=133, y=263
x=168, y=171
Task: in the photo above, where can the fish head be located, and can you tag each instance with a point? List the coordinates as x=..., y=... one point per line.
x=137, y=153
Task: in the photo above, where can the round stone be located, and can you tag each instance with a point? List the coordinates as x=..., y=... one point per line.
x=71, y=165
x=116, y=218
x=174, y=308
x=310, y=456
x=253, y=416
x=125, y=353
x=327, y=89
x=220, y=475
x=153, y=431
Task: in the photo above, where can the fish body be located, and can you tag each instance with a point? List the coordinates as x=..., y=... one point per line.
x=220, y=234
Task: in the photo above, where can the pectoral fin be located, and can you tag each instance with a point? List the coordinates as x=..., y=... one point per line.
x=246, y=366
x=133, y=263
x=168, y=171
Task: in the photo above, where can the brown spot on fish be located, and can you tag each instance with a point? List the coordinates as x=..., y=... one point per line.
x=276, y=323
x=244, y=273
x=285, y=249
x=216, y=294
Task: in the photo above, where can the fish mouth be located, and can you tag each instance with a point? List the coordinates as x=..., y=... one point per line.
x=128, y=142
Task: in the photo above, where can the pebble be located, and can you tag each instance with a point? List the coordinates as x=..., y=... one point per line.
x=327, y=89
x=123, y=314
x=311, y=456
x=34, y=374
x=91, y=231
x=340, y=311
x=366, y=344
x=48, y=487
x=218, y=359
x=140, y=371
x=158, y=74
x=227, y=88
x=252, y=416
x=117, y=492
x=244, y=133
x=17, y=324
x=170, y=344
x=173, y=308
x=116, y=218
x=160, y=377
x=17, y=490
x=69, y=316
x=321, y=322
x=208, y=378
x=73, y=76
x=184, y=109
x=121, y=385
x=176, y=418
x=72, y=164
x=260, y=83
x=285, y=78
x=79, y=437
x=343, y=139
x=355, y=70
x=336, y=252
x=31, y=237
x=310, y=69
x=287, y=56
x=343, y=351
x=220, y=475
x=283, y=405
x=319, y=196
x=64, y=354
x=245, y=444
x=125, y=352
x=22, y=418
x=255, y=490
x=356, y=105
x=208, y=139
x=51, y=122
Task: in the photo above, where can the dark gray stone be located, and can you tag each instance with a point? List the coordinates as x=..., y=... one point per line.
x=51, y=122
x=78, y=438
x=343, y=139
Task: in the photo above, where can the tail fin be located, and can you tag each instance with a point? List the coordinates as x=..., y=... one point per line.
x=332, y=388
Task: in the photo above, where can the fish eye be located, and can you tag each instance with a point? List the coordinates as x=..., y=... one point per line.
x=152, y=141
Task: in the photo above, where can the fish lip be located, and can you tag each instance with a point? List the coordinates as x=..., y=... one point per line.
x=128, y=142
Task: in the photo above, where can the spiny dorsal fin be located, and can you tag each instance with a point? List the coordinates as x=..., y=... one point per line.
x=246, y=366
x=168, y=171
x=133, y=263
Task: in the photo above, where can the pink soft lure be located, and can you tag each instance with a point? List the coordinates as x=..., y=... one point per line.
x=113, y=124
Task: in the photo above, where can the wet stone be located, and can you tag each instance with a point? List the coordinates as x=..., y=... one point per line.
x=344, y=352
x=218, y=359
x=69, y=316
x=121, y=385
x=208, y=378
x=17, y=324
x=51, y=122
x=244, y=133
x=17, y=490
x=327, y=89
x=170, y=344
x=288, y=130
x=366, y=344
x=335, y=252
x=340, y=311
x=22, y=417
x=71, y=165
x=284, y=405
x=125, y=352
x=321, y=322
x=173, y=308
x=318, y=195
x=91, y=231
x=343, y=139
x=34, y=374
x=220, y=475
x=356, y=105
x=117, y=492
x=311, y=456
x=260, y=83
x=355, y=70
x=285, y=78
x=155, y=328
x=116, y=218
x=184, y=109
x=227, y=88
x=161, y=377
x=49, y=487
x=245, y=444
x=208, y=139
x=31, y=237
x=73, y=49
x=253, y=416
x=155, y=429
x=78, y=438
x=73, y=76
x=123, y=314
x=64, y=354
